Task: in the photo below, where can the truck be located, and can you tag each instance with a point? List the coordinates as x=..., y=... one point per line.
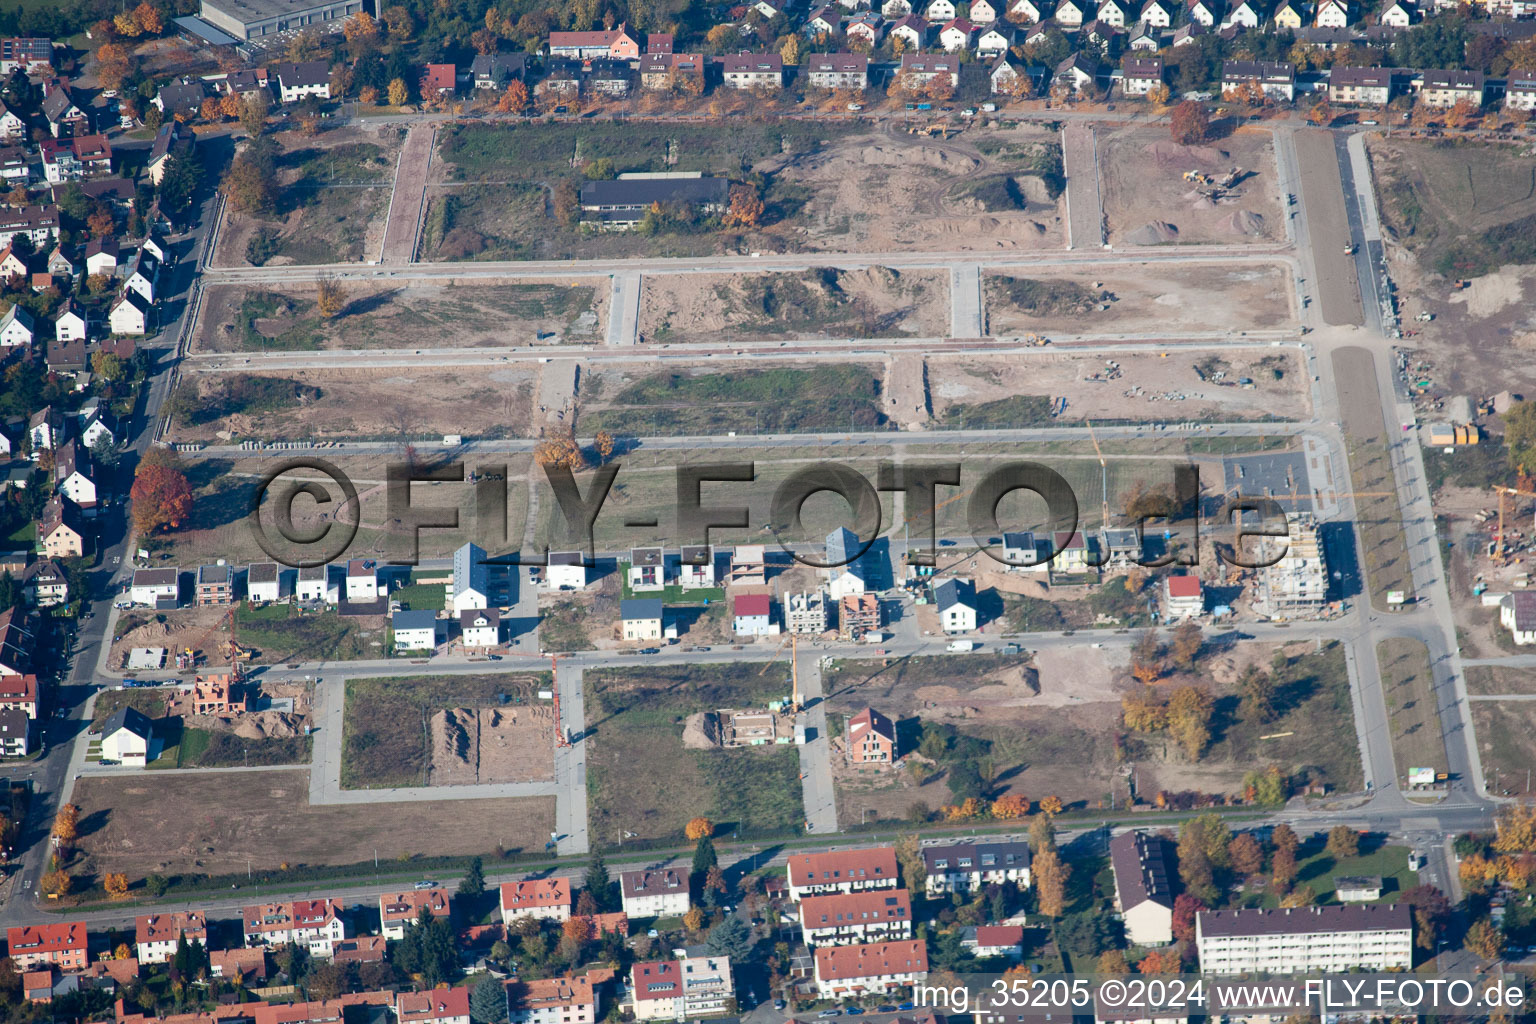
x=962, y=646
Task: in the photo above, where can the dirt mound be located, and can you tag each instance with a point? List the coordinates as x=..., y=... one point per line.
x=491, y=745
x=1243, y=222
x=928, y=156
x=1155, y=233
x=1167, y=153
x=702, y=731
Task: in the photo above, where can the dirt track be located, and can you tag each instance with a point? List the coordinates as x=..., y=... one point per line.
x=410, y=194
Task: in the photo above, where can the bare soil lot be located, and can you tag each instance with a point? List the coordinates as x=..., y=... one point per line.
x=333, y=194
x=1500, y=679
x=1506, y=738
x=383, y=404
x=822, y=303
x=169, y=825
x=1019, y=390
x=1149, y=299
x=450, y=315
x=1147, y=201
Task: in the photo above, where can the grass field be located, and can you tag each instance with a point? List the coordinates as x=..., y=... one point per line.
x=180, y=824
x=1506, y=740
x=385, y=726
x=1499, y=679
x=1408, y=683
x=1465, y=207
x=757, y=401
x=150, y=702
x=641, y=779
x=282, y=632
x=1320, y=871
x=203, y=748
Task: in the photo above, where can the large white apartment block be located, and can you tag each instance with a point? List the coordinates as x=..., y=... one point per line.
x=855, y=918
x=967, y=867
x=697, y=986
x=661, y=893
x=812, y=874
x=1367, y=937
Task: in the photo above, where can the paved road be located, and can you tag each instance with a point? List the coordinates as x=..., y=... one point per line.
x=1085, y=210
x=816, y=754
x=967, y=318
x=624, y=309
x=408, y=198
x=1328, y=227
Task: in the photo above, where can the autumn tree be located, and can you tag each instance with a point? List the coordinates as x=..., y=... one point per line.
x=149, y=19
x=56, y=883
x=515, y=99
x=66, y=825
x=1320, y=113
x=253, y=112
x=1051, y=805
x=399, y=22
x=101, y=223
x=362, y=33
x=604, y=445
x=1187, y=641
x=1516, y=829
x=1185, y=907
x=1010, y=807
x=1144, y=710
x=699, y=828
x=1160, y=961
x=1245, y=854
x=790, y=51
x=1463, y=114
x=746, y=207
x=1258, y=688
x=1301, y=896
x=1112, y=961
x=1189, y=719
x=694, y=919
x=1283, y=868
x=113, y=65
x=1147, y=658
x=161, y=497
x=399, y=92
x=1159, y=94
x=116, y=884
x=369, y=96
x=1050, y=879
x=561, y=450
x=330, y=298
x=1343, y=842
x=1190, y=124
x=127, y=25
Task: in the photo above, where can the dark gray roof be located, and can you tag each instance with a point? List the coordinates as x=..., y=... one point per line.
x=128, y=718
x=1143, y=869
x=1262, y=70
x=307, y=73
x=155, y=577
x=261, y=572
x=645, y=556
x=419, y=619
x=640, y=608
x=181, y=96
x=1367, y=917
x=214, y=574
x=645, y=191
x=953, y=592
x=982, y=856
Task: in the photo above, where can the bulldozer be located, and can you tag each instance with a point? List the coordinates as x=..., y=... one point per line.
x=1198, y=177
x=1231, y=178
x=1035, y=340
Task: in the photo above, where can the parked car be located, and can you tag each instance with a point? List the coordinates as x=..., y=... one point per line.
x=426, y=883
x=830, y=1013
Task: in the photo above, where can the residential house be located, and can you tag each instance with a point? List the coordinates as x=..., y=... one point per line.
x=313, y=583
x=249, y=964
x=157, y=935
x=647, y=566
x=698, y=986
x=988, y=941
x=19, y=693
x=1445, y=89
x=1332, y=14
x=17, y=328
x=1183, y=598
x=64, y=118
x=302, y=80
x=1079, y=72
x=1295, y=940
x=615, y=42
x=1290, y=16
x=60, y=945
x=847, y=72
x=567, y=570
x=1028, y=12
x=893, y=9
x=641, y=618
x=263, y=583
x=545, y=899
x=126, y=737
x=939, y=11
x=841, y=871
x=853, y=918
x=70, y=323
x=46, y=429
x=607, y=77
x=994, y=41
x=1188, y=34
x=748, y=566
x=875, y=969
x=11, y=126
x=1204, y=12
x=870, y=738
x=1396, y=15
x=471, y=579
x=496, y=70
x=956, y=35
x=1139, y=76
x=66, y=357
x=13, y=269
x=1005, y=78
x=360, y=949
x=956, y=601
x=1074, y=553
x=128, y=314
x=414, y=631
x=696, y=567
x=215, y=586
x=806, y=613
x=858, y=614
x=434, y=1006
x=480, y=627
x=823, y=23
x=1248, y=14
x=985, y=12
x=912, y=31
x=752, y=615
x=399, y=909
x=848, y=566
x=101, y=257
x=1517, y=613
x=669, y=70
x=560, y=1000
x=31, y=55
x=659, y=893
x=171, y=141
x=753, y=71
x=971, y=867
x=1157, y=14
x=60, y=265
x=1360, y=86
x=73, y=477
x=155, y=588
x=1144, y=879
x=15, y=733
x=142, y=275
x=183, y=97
x=44, y=584
x=17, y=631
x=1112, y=12
x=38, y=223
x=15, y=166
x=1072, y=13
x=1276, y=78
x=219, y=694
x=362, y=580
x=1520, y=90
x=60, y=529
x=316, y=925
x=438, y=80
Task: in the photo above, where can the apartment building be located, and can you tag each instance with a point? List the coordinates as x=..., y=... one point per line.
x=1369, y=937
x=562, y=1000
x=1296, y=586
x=1520, y=90
x=806, y=613
x=157, y=935
x=874, y=969
x=662, y=893
x=1143, y=869
x=696, y=986
x=813, y=874
x=1445, y=89
x=548, y=899
x=847, y=71
x=436, y=1006
x=967, y=867
x=753, y=71
x=870, y=738
x=856, y=918
x=1360, y=86
x=314, y=924
x=39, y=945
x=1276, y=78
x=399, y=909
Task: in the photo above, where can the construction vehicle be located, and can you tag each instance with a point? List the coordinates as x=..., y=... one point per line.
x=1231, y=178
x=1350, y=249
x=1198, y=177
x=1035, y=340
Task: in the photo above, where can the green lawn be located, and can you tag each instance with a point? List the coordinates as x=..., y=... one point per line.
x=284, y=633
x=149, y=701
x=422, y=596
x=641, y=779
x=1408, y=682
x=672, y=594
x=1320, y=871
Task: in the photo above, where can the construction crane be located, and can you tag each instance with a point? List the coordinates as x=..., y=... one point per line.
x=1505, y=493
x=794, y=670
x=562, y=741
x=1103, y=473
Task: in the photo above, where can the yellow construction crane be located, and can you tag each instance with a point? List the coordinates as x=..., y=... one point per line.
x=794, y=670
x=1505, y=493
x=1103, y=472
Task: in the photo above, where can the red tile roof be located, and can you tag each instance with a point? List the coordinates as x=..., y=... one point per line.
x=406, y=906
x=659, y=979
x=854, y=908
x=752, y=604
x=435, y=1004
x=988, y=935
x=842, y=963
x=1183, y=586
x=170, y=927
x=540, y=892
x=46, y=938
x=843, y=866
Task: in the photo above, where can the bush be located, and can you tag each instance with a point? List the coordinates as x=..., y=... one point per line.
x=264, y=245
